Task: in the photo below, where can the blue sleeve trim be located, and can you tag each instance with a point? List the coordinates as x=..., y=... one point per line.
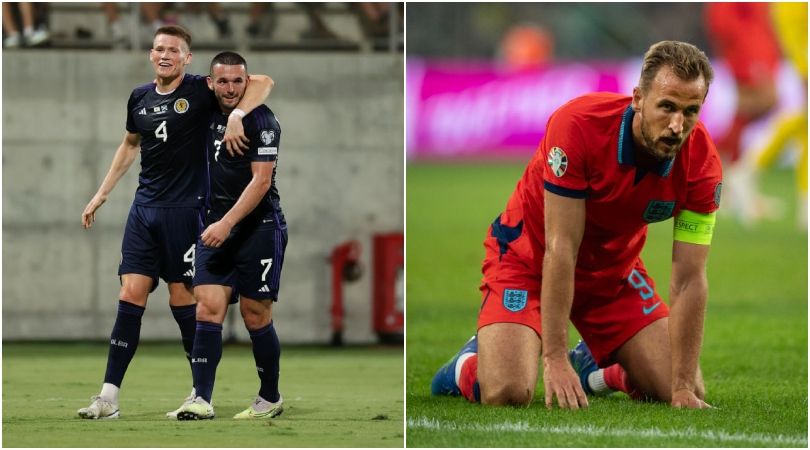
x=565, y=192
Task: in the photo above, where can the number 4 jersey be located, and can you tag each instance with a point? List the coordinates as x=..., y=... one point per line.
x=172, y=127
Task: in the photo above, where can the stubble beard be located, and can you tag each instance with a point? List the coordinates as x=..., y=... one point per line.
x=650, y=145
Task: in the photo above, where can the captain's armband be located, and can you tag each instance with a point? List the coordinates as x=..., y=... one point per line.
x=694, y=228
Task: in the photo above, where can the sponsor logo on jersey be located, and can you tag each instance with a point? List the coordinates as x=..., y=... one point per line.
x=515, y=299
x=180, y=105
x=558, y=161
x=161, y=108
x=268, y=150
x=717, y=191
x=267, y=136
x=199, y=360
x=142, y=112
x=658, y=210
x=221, y=128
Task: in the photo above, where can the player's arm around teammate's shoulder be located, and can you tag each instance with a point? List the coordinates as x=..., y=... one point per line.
x=257, y=91
x=688, y=291
x=564, y=227
x=121, y=162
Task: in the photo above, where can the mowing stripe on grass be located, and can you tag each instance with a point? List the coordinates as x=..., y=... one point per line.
x=523, y=427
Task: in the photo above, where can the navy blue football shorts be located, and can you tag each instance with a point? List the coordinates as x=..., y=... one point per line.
x=249, y=261
x=159, y=242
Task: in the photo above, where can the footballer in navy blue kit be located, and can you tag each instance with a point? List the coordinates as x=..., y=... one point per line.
x=251, y=258
x=241, y=248
x=166, y=124
x=171, y=188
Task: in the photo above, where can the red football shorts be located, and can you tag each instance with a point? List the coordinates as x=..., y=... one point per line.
x=511, y=294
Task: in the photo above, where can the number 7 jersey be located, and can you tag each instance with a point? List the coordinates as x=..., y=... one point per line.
x=228, y=176
x=172, y=128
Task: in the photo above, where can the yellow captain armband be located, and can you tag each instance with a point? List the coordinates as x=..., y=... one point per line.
x=694, y=228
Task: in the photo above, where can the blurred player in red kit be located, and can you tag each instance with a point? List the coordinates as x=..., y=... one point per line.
x=742, y=35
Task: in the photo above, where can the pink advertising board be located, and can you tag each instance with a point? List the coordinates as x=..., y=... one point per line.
x=477, y=110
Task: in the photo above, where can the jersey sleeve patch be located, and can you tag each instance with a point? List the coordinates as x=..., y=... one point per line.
x=564, y=155
x=557, y=161
x=269, y=144
x=268, y=151
x=267, y=136
x=717, y=192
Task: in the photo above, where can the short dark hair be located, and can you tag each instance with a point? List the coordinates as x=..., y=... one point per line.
x=687, y=61
x=228, y=59
x=175, y=30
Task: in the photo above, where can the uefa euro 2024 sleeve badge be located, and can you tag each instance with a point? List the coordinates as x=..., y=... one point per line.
x=558, y=161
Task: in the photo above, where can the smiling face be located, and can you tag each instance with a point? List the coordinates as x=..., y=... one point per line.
x=169, y=57
x=228, y=83
x=666, y=113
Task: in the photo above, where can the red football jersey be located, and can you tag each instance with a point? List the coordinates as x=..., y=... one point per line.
x=588, y=152
x=742, y=34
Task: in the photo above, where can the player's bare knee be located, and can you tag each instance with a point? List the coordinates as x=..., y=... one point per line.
x=180, y=294
x=133, y=294
x=208, y=310
x=508, y=394
x=255, y=321
x=256, y=314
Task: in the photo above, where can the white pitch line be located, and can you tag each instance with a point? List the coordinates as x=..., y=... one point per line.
x=657, y=433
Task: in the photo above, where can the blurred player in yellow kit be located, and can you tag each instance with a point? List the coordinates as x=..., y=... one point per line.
x=790, y=25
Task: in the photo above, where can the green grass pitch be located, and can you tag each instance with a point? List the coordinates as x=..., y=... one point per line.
x=754, y=356
x=341, y=397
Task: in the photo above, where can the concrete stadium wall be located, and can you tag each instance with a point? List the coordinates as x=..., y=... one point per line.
x=340, y=176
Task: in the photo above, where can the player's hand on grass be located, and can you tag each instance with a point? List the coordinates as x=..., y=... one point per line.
x=684, y=398
x=562, y=382
x=234, y=138
x=216, y=234
x=89, y=214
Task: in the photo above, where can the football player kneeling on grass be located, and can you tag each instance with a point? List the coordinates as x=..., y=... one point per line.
x=567, y=245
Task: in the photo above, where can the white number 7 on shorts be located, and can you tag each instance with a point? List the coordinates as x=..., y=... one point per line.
x=269, y=262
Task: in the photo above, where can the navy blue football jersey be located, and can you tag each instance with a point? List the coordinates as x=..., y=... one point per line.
x=229, y=175
x=172, y=128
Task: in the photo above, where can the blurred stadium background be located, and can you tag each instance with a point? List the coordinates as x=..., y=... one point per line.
x=485, y=83
x=481, y=82
x=340, y=173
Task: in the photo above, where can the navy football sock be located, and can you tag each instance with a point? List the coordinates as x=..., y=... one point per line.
x=205, y=357
x=186, y=320
x=123, y=341
x=267, y=352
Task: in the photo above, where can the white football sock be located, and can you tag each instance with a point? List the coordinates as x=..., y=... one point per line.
x=596, y=381
x=109, y=392
x=262, y=405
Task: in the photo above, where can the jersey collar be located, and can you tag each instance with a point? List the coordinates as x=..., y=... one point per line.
x=626, y=147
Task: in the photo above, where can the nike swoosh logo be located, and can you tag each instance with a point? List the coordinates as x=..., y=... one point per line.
x=647, y=310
